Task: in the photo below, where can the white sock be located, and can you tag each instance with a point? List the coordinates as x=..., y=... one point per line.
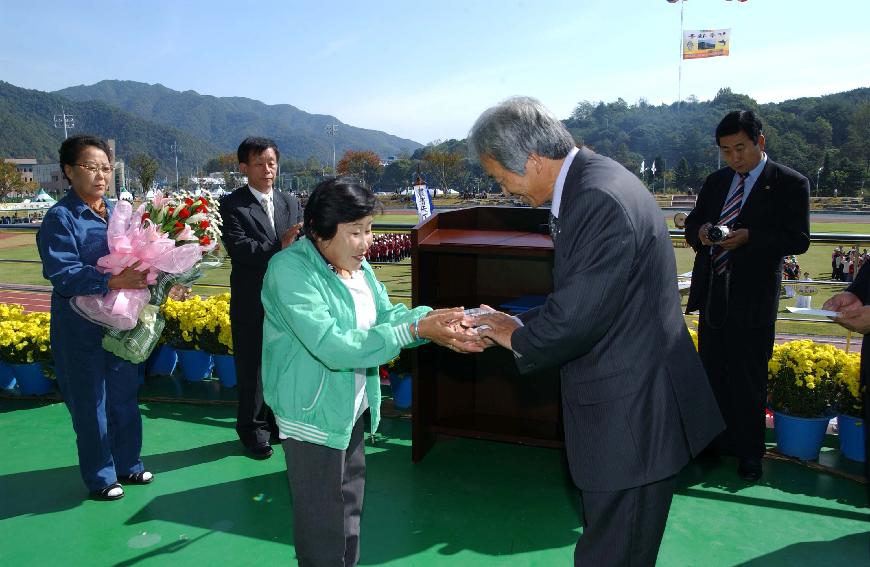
x=115, y=491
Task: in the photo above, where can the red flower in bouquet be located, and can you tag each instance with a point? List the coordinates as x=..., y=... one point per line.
x=186, y=218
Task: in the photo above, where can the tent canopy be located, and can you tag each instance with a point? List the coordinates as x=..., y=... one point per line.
x=43, y=197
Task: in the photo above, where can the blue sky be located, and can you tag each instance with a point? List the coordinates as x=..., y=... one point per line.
x=425, y=70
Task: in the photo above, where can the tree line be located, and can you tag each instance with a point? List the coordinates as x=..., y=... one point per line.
x=671, y=148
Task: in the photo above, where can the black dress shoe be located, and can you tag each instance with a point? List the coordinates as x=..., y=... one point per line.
x=749, y=469
x=260, y=452
x=709, y=454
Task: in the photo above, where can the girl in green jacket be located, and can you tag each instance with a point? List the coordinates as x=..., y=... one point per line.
x=329, y=324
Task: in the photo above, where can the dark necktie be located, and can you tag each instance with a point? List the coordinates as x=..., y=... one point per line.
x=554, y=227
x=729, y=213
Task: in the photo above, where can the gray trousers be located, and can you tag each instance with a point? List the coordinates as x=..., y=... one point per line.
x=327, y=487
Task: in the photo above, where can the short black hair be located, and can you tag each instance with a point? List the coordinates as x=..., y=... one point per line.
x=739, y=121
x=256, y=146
x=335, y=201
x=73, y=146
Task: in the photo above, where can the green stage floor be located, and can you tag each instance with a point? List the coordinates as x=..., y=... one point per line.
x=468, y=503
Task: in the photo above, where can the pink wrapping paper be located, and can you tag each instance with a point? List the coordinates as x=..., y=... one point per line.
x=131, y=241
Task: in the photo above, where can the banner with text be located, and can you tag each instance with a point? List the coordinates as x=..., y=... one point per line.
x=424, y=201
x=706, y=43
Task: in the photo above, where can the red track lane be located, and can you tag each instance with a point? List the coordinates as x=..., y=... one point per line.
x=31, y=300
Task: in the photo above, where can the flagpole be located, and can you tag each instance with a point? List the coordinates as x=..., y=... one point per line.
x=680, y=67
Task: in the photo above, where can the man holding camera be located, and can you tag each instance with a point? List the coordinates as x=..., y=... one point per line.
x=747, y=217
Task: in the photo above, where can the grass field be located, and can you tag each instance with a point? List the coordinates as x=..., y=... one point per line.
x=19, y=264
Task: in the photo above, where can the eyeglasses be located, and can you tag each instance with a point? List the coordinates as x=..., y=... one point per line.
x=105, y=169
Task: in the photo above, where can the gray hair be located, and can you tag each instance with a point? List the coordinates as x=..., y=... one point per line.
x=515, y=129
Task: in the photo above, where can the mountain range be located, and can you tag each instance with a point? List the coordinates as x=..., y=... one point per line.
x=145, y=118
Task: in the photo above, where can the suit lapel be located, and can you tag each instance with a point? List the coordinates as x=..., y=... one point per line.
x=721, y=194
x=763, y=183
x=258, y=214
x=281, y=213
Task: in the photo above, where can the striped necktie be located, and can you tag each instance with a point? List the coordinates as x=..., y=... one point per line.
x=729, y=213
x=269, y=208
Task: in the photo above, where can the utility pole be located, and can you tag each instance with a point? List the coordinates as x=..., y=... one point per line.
x=65, y=121
x=332, y=129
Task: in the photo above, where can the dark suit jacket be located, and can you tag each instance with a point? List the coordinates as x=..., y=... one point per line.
x=861, y=288
x=777, y=216
x=636, y=401
x=251, y=243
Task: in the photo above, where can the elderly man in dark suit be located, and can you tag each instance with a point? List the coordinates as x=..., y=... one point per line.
x=854, y=308
x=635, y=401
x=736, y=281
x=257, y=223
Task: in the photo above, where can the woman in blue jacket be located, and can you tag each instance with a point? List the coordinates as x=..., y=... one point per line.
x=329, y=325
x=99, y=389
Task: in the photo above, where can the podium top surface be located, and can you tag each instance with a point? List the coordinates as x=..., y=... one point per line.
x=488, y=238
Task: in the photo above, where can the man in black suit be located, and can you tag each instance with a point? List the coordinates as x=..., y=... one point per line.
x=257, y=223
x=635, y=402
x=736, y=281
x=854, y=307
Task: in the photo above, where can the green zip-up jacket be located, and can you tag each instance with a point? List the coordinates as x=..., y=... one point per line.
x=311, y=345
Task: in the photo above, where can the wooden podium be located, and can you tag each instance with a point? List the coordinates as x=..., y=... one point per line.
x=464, y=258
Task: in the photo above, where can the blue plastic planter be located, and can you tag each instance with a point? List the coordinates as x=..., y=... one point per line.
x=401, y=387
x=195, y=364
x=162, y=361
x=31, y=380
x=852, y=432
x=7, y=378
x=225, y=368
x=800, y=437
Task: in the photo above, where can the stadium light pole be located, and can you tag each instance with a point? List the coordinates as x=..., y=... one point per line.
x=818, y=173
x=174, y=148
x=332, y=129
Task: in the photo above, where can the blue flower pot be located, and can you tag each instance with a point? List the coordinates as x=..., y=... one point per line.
x=7, y=378
x=31, y=380
x=195, y=364
x=225, y=368
x=800, y=437
x=162, y=361
x=401, y=386
x=852, y=432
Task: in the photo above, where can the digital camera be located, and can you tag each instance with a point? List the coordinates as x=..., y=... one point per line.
x=718, y=233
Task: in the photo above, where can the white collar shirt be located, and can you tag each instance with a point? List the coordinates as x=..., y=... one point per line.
x=560, y=182
x=751, y=177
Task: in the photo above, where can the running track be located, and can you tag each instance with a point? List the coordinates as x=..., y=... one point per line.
x=31, y=299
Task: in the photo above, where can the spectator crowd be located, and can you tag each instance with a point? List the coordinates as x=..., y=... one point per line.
x=846, y=263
